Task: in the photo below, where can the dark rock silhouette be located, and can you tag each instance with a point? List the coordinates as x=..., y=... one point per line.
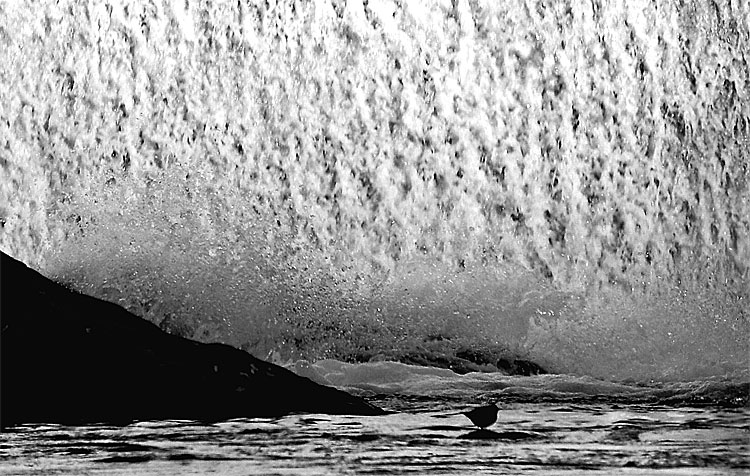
x=71, y=358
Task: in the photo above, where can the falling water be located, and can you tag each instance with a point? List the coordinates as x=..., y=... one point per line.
x=428, y=182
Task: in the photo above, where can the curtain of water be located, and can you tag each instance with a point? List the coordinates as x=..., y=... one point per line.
x=563, y=181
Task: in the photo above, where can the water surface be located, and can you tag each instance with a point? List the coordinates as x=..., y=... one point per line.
x=553, y=432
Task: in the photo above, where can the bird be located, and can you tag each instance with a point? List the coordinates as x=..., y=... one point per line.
x=482, y=416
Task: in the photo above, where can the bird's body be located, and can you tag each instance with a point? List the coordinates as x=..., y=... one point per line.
x=483, y=416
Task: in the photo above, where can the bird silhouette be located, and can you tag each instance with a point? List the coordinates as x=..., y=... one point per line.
x=482, y=416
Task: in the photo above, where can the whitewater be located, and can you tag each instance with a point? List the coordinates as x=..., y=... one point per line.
x=400, y=199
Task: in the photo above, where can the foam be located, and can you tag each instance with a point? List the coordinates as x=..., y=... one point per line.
x=407, y=382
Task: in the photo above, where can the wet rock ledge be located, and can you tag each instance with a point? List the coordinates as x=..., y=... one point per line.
x=71, y=358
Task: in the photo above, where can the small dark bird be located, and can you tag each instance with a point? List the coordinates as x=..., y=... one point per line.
x=483, y=416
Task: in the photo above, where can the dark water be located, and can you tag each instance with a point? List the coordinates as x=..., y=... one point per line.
x=548, y=431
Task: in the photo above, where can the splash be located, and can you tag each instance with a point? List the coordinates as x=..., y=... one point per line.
x=179, y=256
x=432, y=183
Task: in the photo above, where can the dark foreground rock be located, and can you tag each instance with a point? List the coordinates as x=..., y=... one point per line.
x=71, y=358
